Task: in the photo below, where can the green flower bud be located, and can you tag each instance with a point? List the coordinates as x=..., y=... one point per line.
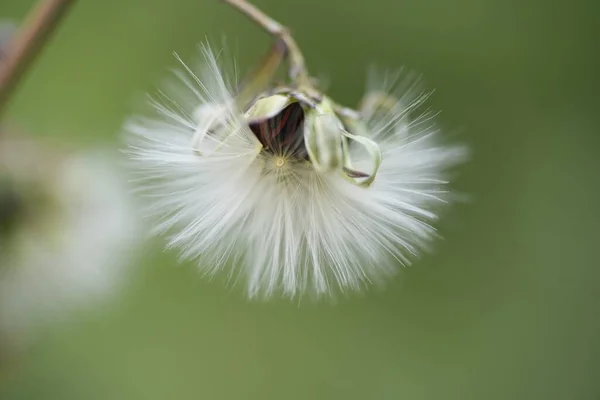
x=323, y=133
x=296, y=126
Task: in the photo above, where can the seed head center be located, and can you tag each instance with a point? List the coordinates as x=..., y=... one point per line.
x=279, y=162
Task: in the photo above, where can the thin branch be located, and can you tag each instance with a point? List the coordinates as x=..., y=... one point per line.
x=298, y=70
x=297, y=67
x=22, y=50
x=259, y=79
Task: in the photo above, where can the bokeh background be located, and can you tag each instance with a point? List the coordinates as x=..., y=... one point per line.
x=506, y=308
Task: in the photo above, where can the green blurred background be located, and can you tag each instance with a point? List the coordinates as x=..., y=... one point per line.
x=506, y=308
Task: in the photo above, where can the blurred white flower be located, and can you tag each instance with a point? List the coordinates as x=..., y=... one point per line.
x=69, y=231
x=280, y=192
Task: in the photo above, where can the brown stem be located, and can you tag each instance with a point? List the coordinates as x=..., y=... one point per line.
x=259, y=79
x=27, y=44
x=297, y=67
x=297, y=71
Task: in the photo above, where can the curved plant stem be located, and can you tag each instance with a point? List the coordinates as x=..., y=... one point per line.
x=297, y=72
x=260, y=79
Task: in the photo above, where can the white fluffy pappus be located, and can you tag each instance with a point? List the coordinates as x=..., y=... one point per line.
x=264, y=213
x=73, y=239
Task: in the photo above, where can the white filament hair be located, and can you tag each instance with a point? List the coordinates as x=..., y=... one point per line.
x=287, y=231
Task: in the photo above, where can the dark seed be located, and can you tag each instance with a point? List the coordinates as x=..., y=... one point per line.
x=283, y=134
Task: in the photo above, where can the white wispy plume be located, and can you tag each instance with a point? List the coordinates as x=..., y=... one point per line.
x=67, y=233
x=284, y=193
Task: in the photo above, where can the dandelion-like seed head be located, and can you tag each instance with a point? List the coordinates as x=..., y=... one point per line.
x=289, y=191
